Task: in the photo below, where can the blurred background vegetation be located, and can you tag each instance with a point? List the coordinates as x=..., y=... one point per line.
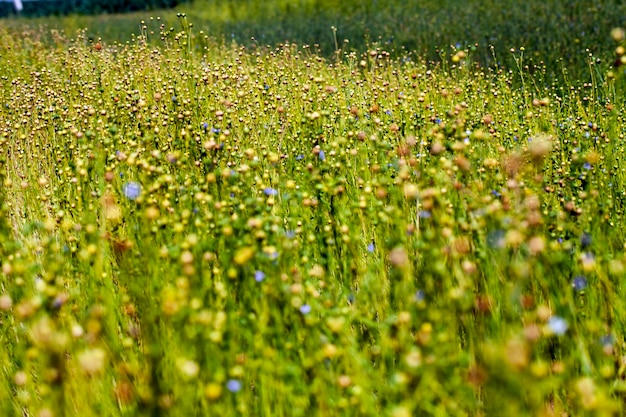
x=558, y=35
x=85, y=7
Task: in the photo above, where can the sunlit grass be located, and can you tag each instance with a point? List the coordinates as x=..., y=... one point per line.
x=557, y=34
x=199, y=228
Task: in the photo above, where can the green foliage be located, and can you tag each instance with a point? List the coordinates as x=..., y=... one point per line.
x=87, y=7
x=558, y=34
x=198, y=227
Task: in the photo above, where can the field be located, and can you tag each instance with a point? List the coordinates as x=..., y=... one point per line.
x=305, y=209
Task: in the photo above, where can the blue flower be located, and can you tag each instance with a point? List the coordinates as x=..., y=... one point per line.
x=132, y=190
x=270, y=191
x=233, y=385
x=58, y=302
x=205, y=125
x=579, y=283
x=587, y=165
x=585, y=240
x=215, y=130
x=322, y=156
x=425, y=214
x=259, y=276
x=558, y=325
x=305, y=309
x=371, y=247
x=419, y=296
x=299, y=157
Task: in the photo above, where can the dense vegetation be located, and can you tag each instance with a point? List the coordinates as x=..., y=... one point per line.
x=558, y=33
x=31, y=8
x=200, y=227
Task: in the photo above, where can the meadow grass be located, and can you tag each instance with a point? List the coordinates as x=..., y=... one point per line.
x=558, y=34
x=194, y=227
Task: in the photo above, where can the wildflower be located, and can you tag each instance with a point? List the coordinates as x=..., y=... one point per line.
x=299, y=157
x=305, y=309
x=233, y=385
x=213, y=391
x=20, y=378
x=536, y=245
x=243, y=255
x=344, y=381
x=587, y=393
x=270, y=191
x=618, y=34
x=371, y=247
x=317, y=271
x=579, y=283
x=5, y=302
x=539, y=147
x=419, y=296
x=588, y=261
x=77, y=331
x=259, y=276
x=59, y=300
x=496, y=239
x=399, y=257
x=92, y=361
x=411, y=191
x=585, y=240
x=322, y=156
x=557, y=325
x=517, y=353
x=188, y=368
x=132, y=190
